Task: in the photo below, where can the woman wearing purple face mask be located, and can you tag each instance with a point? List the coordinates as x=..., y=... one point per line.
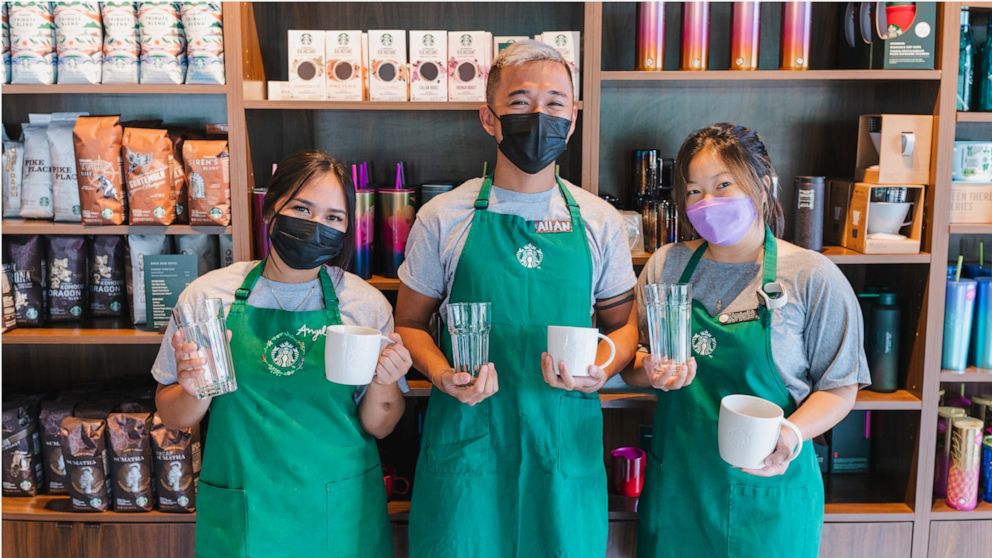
x=769, y=319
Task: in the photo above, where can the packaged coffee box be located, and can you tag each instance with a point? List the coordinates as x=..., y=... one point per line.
x=150, y=190
x=25, y=256
x=22, y=467
x=6, y=44
x=63, y=159
x=204, y=247
x=177, y=466
x=84, y=448
x=108, y=284
x=120, y=42
x=131, y=461
x=204, y=25
x=138, y=247
x=209, y=176
x=78, y=41
x=9, y=314
x=36, y=176
x=163, y=43
x=13, y=166
x=67, y=289
x=32, y=42
x=51, y=416
x=226, y=242
x=97, y=141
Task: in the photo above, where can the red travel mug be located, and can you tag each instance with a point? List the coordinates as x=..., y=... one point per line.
x=396, y=485
x=628, y=471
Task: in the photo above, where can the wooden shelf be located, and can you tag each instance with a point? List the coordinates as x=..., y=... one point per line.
x=76, y=335
x=841, y=256
x=883, y=512
x=384, y=283
x=975, y=117
x=41, y=226
x=364, y=105
x=614, y=78
x=115, y=89
x=941, y=512
x=978, y=5
x=971, y=229
x=901, y=400
x=971, y=374
x=640, y=258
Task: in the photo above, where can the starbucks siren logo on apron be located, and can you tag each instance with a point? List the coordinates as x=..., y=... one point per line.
x=283, y=355
x=530, y=256
x=703, y=343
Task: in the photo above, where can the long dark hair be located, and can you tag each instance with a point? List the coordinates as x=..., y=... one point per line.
x=744, y=153
x=292, y=174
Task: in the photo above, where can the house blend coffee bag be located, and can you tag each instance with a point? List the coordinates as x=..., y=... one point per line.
x=97, y=141
x=22, y=467
x=28, y=275
x=84, y=448
x=131, y=461
x=51, y=416
x=208, y=172
x=177, y=466
x=151, y=193
x=67, y=280
x=108, y=285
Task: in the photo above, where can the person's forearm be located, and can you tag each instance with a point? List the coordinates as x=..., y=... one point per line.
x=822, y=410
x=625, y=339
x=179, y=409
x=634, y=374
x=427, y=357
x=381, y=409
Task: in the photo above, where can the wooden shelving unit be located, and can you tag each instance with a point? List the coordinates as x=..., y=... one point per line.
x=943, y=512
x=841, y=256
x=40, y=226
x=970, y=375
x=121, y=89
x=337, y=105
x=612, y=78
x=975, y=117
x=75, y=335
x=970, y=229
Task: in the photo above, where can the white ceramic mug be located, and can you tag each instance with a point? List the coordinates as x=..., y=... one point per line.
x=576, y=346
x=351, y=354
x=888, y=218
x=749, y=430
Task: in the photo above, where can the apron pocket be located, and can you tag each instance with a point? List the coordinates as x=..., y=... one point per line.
x=457, y=440
x=221, y=521
x=357, y=520
x=580, y=437
x=768, y=521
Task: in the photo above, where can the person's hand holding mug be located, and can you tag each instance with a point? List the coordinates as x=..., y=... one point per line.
x=666, y=375
x=563, y=379
x=778, y=462
x=394, y=362
x=459, y=384
x=190, y=361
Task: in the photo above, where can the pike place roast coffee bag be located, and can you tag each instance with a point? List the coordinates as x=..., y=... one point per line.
x=64, y=180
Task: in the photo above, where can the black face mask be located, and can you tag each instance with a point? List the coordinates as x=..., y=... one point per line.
x=304, y=244
x=534, y=140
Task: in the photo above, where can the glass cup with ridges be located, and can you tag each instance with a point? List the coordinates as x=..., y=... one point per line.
x=469, y=324
x=669, y=317
x=203, y=323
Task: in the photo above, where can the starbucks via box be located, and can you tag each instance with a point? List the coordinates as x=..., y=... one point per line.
x=567, y=43
x=306, y=65
x=428, y=61
x=470, y=54
x=388, y=73
x=345, y=66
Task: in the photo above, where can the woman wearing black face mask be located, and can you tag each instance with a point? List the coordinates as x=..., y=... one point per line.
x=291, y=466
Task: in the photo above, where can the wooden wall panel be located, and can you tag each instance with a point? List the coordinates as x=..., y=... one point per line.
x=120, y=540
x=867, y=540
x=960, y=539
x=34, y=539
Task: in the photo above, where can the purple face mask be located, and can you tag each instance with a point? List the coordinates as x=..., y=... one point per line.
x=722, y=221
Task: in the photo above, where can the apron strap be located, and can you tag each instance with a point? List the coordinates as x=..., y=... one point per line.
x=241, y=294
x=330, y=297
x=326, y=286
x=482, y=202
x=769, y=266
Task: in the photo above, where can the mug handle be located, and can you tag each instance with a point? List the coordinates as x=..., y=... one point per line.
x=400, y=481
x=910, y=222
x=386, y=339
x=799, y=436
x=613, y=350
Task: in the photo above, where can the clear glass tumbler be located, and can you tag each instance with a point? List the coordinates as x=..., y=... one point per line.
x=669, y=317
x=469, y=324
x=203, y=323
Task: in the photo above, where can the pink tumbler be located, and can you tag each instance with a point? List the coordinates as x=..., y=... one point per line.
x=628, y=471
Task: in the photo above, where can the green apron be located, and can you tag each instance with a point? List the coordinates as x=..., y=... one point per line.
x=288, y=470
x=520, y=474
x=694, y=503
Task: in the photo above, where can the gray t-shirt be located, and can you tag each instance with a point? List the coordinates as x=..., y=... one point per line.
x=817, y=338
x=442, y=226
x=360, y=304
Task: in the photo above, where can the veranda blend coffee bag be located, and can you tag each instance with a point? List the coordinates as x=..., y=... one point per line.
x=51, y=416
x=204, y=26
x=177, y=466
x=67, y=289
x=32, y=42
x=79, y=41
x=208, y=172
x=131, y=461
x=64, y=179
x=163, y=43
x=97, y=141
x=28, y=275
x=108, y=285
x=120, y=42
x=140, y=246
x=84, y=448
x=22, y=467
x=151, y=193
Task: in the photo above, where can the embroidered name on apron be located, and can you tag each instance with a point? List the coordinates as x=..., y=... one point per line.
x=550, y=226
x=739, y=317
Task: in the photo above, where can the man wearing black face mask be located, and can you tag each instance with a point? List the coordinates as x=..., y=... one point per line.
x=512, y=460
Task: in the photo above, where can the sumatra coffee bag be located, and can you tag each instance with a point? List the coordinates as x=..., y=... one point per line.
x=13, y=166
x=131, y=461
x=204, y=247
x=67, y=278
x=108, y=285
x=22, y=466
x=120, y=42
x=79, y=41
x=150, y=191
x=163, y=43
x=97, y=141
x=95, y=406
x=226, y=250
x=51, y=416
x=177, y=466
x=204, y=25
x=140, y=246
x=36, y=184
x=32, y=42
x=28, y=273
x=84, y=447
x=208, y=172
x=63, y=159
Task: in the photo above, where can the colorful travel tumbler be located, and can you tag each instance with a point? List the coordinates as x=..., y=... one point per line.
x=959, y=309
x=796, y=18
x=396, y=212
x=364, y=233
x=650, y=36
x=966, y=462
x=981, y=328
x=695, y=35
x=744, y=36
